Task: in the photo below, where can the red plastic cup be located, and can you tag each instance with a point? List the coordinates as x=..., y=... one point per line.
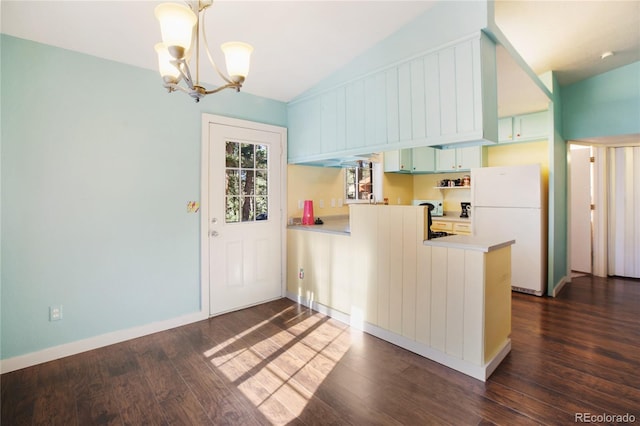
x=307, y=215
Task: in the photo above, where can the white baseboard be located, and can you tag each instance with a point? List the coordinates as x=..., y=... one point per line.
x=558, y=288
x=476, y=371
x=73, y=348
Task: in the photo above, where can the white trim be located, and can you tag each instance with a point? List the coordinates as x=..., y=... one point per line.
x=480, y=372
x=73, y=348
x=600, y=214
x=208, y=119
x=558, y=288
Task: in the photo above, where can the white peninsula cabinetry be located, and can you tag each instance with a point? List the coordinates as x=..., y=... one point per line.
x=447, y=299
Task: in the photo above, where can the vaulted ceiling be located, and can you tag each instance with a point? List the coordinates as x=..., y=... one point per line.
x=298, y=43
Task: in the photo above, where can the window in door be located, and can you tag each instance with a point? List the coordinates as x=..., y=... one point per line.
x=247, y=186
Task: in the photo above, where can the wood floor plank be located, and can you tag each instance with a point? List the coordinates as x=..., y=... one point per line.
x=18, y=395
x=282, y=363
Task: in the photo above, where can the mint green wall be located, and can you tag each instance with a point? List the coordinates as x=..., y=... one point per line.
x=605, y=105
x=98, y=164
x=444, y=22
x=558, y=215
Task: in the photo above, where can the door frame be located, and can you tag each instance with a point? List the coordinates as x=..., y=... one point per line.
x=208, y=119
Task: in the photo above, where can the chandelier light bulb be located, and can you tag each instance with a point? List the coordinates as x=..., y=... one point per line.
x=168, y=71
x=176, y=25
x=238, y=57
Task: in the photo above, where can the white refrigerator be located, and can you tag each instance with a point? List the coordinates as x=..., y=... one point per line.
x=507, y=202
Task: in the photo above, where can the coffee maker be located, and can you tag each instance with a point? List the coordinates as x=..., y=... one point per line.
x=466, y=209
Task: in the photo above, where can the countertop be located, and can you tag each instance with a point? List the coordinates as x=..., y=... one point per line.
x=452, y=217
x=469, y=242
x=332, y=225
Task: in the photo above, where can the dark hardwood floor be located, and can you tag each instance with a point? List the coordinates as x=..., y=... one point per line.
x=280, y=363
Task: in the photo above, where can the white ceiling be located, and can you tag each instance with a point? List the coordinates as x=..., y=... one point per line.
x=298, y=43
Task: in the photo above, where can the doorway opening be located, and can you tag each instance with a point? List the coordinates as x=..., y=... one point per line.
x=581, y=205
x=604, y=227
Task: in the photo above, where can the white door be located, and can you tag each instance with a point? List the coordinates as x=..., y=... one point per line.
x=244, y=215
x=580, y=209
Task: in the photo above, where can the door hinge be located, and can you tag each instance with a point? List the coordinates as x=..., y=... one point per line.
x=593, y=206
x=592, y=159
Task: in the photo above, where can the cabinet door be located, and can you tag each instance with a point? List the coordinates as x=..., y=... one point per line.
x=505, y=129
x=464, y=85
x=404, y=101
x=304, y=128
x=468, y=157
x=418, y=107
x=377, y=120
x=329, y=122
x=399, y=160
x=445, y=160
x=333, y=121
x=432, y=95
x=447, y=67
x=423, y=159
x=393, y=114
x=355, y=112
x=532, y=126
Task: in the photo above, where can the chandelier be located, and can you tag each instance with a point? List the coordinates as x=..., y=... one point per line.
x=180, y=26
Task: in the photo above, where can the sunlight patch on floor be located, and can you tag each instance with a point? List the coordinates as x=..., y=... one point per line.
x=280, y=372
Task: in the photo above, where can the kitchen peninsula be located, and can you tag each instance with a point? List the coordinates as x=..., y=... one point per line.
x=447, y=299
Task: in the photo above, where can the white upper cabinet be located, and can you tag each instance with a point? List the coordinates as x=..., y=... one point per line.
x=423, y=159
x=410, y=160
x=505, y=129
x=445, y=96
x=524, y=128
x=305, y=123
x=532, y=126
x=399, y=160
x=458, y=159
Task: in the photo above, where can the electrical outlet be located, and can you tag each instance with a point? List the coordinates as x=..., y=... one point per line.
x=300, y=204
x=339, y=202
x=321, y=204
x=55, y=313
x=333, y=202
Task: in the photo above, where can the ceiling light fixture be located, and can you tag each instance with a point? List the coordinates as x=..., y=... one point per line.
x=180, y=26
x=605, y=55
